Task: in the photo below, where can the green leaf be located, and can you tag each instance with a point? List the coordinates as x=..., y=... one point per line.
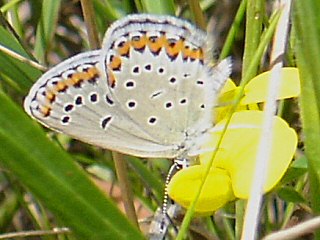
x=8, y=210
x=297, y=169
x=253, y=34
x=306, y=22
x=147, y=176
x=301, y=163
x=290, y=195
x=21, y=73
x=112, y=10
x=51, y=175
x=158, y=7
x=46, y=27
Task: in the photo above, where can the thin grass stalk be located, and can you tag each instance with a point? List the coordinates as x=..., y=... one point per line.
x=22, y=58
x=253, y=33
x=35, y=233
x=90, y=21
x=125, y=186
x=197, y=14
x=235, y=27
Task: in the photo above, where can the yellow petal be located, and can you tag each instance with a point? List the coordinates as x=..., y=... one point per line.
x=228, y=86
x=225, y=100
x=257, y=89
x=237, y=152
x=216, y=191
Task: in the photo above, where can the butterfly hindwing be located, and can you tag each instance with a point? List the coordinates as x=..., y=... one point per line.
x=72, y=98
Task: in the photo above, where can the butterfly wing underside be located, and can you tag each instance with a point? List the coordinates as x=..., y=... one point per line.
x=148, y=92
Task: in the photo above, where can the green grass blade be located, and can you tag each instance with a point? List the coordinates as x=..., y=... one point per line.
x=46, y=28
x=147, y=176
x=235, y=28
x=21, y=73
x=158, y=7
x=306, y=24
x=253, y=33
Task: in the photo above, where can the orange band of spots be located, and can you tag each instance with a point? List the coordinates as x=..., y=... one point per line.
x=64, y=84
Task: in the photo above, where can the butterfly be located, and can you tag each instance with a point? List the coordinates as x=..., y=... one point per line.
x=148, y=92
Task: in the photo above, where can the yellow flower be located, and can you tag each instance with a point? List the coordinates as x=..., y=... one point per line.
x=239, y=149
x=257, y=89
x=185, y=183
x=256, y=92
x=231, y=173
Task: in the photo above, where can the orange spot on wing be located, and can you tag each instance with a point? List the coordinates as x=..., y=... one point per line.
x=93, y=72
x=140, y=43
x=115, y=63
x=156, y=44
x=61, y=86
x=174, y=49
x=201, y=54
x=69, y=81
x=50, y=96
x=124, y=49
x=77, y=78
x=45, y=111
x=111, y=79
x=186, y=52
x=194, y=54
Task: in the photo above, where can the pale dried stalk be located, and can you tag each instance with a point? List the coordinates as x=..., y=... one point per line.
x=21, y=58
x=296, y=231
x=55, y=231
x=251, y=218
